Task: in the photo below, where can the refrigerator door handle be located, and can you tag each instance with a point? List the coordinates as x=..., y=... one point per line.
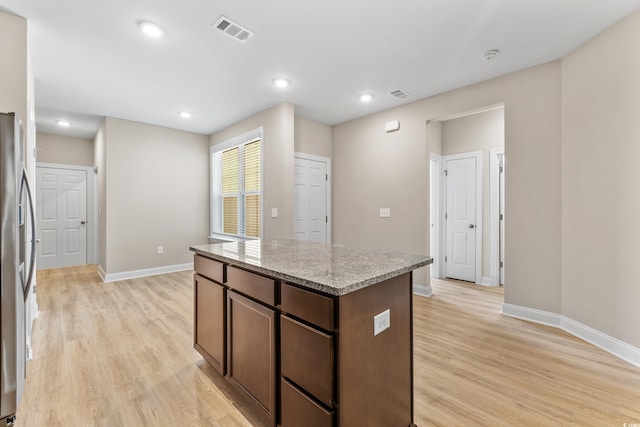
x=32, y=215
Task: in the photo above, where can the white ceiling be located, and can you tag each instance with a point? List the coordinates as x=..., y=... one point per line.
x=90, y=59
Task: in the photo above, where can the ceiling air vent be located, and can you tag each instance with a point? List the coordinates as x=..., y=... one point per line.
x=232, y=29
x=399, y=93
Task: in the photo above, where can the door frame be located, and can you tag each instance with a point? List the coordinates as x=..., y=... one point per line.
x=92, y=206
x=327, y=162
x=494, y=213
x=477, y=155
x=436, y=235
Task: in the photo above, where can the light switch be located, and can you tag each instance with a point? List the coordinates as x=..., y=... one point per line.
x=381, y=322
x=385, y=212
x=274, y=212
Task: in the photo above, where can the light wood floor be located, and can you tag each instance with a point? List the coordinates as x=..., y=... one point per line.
x=121, y=354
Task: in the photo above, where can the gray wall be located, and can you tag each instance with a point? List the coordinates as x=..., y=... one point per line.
x=477, y=132
x=311, y=137
x=373, y=169
x=64, y=150
x=278, y=148
x=600, y=182
x=156, y=193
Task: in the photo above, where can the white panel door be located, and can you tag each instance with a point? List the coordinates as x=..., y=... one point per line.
x=62, y=214
x=461, y=219
x=310, y=183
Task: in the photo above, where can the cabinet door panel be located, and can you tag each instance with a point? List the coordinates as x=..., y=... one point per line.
x=251, y=353
x=209, y=325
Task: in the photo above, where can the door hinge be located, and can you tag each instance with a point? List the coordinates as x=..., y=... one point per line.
x=326, y=177
x=445, y=259
x=501, y=217
x=501, y=264
x=501, y=169
x=445, y=216
x=445, y=172
x=326, y=219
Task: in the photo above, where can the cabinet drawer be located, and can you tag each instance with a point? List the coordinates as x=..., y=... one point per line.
x=310, y=306
x=208, y=267
x=298, y=410
x=256, y=286
x=306, y=358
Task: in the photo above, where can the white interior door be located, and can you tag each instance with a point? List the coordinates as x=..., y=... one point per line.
x=460, y=219
x=310, y=183
x=62, y=214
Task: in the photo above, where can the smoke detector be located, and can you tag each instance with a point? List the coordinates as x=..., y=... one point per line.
x=490, y=55
x=232, y=29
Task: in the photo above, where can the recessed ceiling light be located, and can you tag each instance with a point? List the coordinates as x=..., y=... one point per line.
x=152, y=29
x=63, y=123
x=282, y=83
x=184, y=114
x=366, y=97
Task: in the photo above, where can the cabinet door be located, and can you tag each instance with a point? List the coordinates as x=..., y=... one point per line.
x=251, y=353
x=209, y=322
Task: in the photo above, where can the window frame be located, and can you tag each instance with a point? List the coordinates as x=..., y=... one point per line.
x=236, y=141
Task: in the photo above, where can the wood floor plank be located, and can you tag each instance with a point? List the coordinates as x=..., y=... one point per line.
x=121, y=354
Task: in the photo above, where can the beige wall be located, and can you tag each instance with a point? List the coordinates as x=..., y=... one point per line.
x=278, y=150
x=478, y=132
x=64, y=150
x=311, y=137
x=600, y=187
x=373, y=169
x=14, y=68
x=156, y=194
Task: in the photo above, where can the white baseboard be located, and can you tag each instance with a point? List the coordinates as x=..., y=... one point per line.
x=422, y=290
x=487, y=281
x=101, y=273
x=608, y=343
x=125, y=275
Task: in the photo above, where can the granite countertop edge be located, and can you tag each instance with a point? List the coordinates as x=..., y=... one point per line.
x=311, y=284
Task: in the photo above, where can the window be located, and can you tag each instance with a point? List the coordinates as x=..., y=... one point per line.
x=236, y=172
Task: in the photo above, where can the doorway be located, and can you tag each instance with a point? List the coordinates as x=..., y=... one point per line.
x=64, y=216
x=312, y=196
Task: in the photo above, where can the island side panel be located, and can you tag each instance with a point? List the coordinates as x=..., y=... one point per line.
x=375, y=385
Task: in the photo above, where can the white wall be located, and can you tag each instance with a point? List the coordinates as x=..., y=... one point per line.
x=278, y=151
x=477, y=132
x=156, y=194
x=64, y=150
x=601, y=182
x=373, y=169
x=100, y=155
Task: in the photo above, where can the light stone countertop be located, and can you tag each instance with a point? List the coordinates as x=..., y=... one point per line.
x=332, y=269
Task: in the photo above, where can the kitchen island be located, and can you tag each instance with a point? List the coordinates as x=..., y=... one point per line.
x=309, y=334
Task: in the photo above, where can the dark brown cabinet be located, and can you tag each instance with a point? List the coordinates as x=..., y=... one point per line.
x=304, y=358
x=209, y=336
x=210, y=322
x=251, y=357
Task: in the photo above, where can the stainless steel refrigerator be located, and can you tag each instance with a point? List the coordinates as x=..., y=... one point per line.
x=18, y=261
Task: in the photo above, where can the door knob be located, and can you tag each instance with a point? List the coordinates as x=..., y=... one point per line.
x=83, y=222
x=471, y=225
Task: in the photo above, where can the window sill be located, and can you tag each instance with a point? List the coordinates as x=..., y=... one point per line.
x=223, y=238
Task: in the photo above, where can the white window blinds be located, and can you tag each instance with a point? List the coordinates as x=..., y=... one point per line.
x=237, y=190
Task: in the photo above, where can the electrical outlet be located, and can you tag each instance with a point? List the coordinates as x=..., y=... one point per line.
x=385, y=212
x=160, y=250
x=274, y=212
x=381, y=322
